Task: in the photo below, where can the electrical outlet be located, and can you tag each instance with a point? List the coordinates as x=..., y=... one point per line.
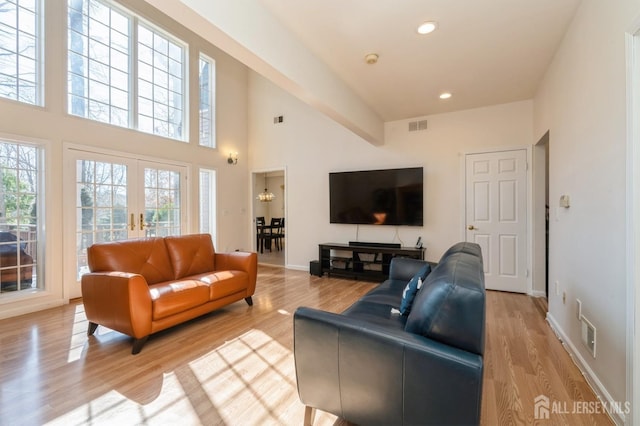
x=564, y=297
x=578, y=309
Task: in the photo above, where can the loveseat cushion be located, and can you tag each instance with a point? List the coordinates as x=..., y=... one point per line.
x=146, y=256
x=191, y=254
x=450, y=308
x=411, y=289
x=172, y=297
x=224, y=283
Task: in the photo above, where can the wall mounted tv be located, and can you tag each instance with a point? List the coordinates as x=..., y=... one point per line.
x=377, y=197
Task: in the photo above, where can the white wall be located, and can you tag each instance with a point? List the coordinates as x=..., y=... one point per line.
x=582, y=102
x=53, y=125
x=311, y=145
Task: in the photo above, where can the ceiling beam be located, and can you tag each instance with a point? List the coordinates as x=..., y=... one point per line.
x=248, y=32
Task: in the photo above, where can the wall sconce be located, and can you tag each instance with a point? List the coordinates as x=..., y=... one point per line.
x=233, y=158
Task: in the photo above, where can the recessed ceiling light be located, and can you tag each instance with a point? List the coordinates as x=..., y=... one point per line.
x=427, y=27
x=445, y=95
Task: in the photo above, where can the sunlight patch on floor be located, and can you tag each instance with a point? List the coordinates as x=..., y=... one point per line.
x=249, y=380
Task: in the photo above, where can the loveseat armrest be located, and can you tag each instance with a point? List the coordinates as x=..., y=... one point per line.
x=240, y=261
x=120, y=301
x=372, y=375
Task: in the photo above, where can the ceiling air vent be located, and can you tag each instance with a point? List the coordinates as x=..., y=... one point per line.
x=415, y=126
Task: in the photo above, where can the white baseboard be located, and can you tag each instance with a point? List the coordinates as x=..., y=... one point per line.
x=538, y=293
x=298, y=268
x=23, y=309
x=590, y=376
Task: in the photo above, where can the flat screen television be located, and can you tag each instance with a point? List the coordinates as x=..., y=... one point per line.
x=377, y=197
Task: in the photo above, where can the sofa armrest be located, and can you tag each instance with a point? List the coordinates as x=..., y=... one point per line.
x=240, y=261
x=404, y=268
x=120, y=301
x=372, y=375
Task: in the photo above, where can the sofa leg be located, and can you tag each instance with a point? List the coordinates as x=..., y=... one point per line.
x=249, y=300
x=309, y=415
x=92, y=328
x=138, y=344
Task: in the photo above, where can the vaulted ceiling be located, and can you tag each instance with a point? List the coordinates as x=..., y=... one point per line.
x=484, y=52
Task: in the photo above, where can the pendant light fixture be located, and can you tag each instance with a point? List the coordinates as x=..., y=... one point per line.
x=265, y=196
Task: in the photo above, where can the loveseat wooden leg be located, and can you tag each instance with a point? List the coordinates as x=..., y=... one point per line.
x=92, y=328
x=309, y=415
x=249, y=300
x=138, y=344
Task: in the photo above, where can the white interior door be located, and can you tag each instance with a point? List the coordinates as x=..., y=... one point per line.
x=496, y=216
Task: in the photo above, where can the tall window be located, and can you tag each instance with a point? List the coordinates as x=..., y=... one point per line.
x=207, y=201
x=207, y=102
x=19, y=192
x=108, y=84
x=160, y=84
x=20, y=51
x=98, y=76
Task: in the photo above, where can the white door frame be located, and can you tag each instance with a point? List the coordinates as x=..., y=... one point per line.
x=632, y=39
x=252, y=197
x=529, y=210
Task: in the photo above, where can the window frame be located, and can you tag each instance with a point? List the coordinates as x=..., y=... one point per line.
x=38, y=59
x=38, y=255
x=135, y=21
x=211, y=139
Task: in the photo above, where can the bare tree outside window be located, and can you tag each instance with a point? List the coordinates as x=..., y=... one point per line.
x=19, y=177
x=20, y=59
x=98, y=62
x=101, y=77
x=207, y=78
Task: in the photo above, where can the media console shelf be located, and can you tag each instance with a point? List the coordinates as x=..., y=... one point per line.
x=366, y=261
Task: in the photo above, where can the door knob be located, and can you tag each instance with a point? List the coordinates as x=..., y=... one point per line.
x=471, y=227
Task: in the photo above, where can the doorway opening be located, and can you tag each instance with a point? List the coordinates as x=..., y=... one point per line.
x=269, y=219
x=541, y=209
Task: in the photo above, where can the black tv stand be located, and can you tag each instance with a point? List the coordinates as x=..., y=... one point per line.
x=358, y=261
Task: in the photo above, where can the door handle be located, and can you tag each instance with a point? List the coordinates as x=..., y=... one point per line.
x=141, y=221
x=471, y=228
x=132, y=224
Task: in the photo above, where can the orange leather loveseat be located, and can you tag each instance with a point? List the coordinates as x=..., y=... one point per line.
x=139, y=287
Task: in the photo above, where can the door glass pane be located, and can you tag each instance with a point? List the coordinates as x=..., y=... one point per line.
x=101, y=194
x=19, y=219
x=162, y=202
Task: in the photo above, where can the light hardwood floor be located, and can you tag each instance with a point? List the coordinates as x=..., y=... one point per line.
x=235, y=366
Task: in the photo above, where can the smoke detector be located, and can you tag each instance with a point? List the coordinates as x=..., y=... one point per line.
x=371, y=58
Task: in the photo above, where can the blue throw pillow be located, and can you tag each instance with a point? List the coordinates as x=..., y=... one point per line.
x=412, y=288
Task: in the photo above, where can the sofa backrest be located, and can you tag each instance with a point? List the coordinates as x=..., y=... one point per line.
x=191, y=254
x=450, y=307
x=146, y=256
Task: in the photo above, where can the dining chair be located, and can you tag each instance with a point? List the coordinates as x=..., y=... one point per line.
x=260, y=233
x=276, y=231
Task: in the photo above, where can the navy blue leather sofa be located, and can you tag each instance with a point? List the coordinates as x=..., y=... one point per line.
x=371, y=365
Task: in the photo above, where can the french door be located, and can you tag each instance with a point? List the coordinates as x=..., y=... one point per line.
x=117, y=198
